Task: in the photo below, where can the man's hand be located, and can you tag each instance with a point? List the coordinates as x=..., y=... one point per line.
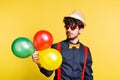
x=35, y=57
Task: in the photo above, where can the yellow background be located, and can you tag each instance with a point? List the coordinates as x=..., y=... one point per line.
x=26, y=17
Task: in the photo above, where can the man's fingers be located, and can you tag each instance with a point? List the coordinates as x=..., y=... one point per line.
x=35, y=56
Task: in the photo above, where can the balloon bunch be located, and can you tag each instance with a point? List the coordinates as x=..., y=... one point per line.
x=49, y=58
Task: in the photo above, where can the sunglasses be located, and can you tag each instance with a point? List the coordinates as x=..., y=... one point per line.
x=72, y=27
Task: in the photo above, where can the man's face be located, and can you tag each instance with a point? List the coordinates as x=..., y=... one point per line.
x=72, y=31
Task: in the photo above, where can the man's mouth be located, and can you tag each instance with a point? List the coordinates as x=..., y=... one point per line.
x=68, y=33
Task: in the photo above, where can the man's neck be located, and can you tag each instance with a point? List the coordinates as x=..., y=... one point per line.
x=74, y=40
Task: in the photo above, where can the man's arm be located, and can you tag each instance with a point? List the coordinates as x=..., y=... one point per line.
x=35, y=58
x=88, y=71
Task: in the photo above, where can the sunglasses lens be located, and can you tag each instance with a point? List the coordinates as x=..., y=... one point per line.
x=73, y=27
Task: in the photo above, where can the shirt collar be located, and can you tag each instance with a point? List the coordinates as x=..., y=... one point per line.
x=78, y=42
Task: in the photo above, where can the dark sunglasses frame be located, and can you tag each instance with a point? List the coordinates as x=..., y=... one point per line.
x=70, y=26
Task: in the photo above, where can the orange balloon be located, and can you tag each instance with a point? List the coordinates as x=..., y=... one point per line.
x=50, y=58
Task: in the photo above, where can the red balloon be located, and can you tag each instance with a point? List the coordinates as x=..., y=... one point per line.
x=42, y=40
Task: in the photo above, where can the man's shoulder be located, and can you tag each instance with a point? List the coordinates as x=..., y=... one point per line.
x=83, y=45
x=61, y=43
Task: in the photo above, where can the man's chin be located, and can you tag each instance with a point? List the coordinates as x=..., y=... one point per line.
x=70, y=38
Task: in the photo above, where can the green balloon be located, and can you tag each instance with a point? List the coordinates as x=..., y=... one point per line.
x=22, y=47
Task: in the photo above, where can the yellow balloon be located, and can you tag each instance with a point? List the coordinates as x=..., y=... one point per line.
x=50, y=58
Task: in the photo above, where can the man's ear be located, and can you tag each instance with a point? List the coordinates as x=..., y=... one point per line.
x=81, y=30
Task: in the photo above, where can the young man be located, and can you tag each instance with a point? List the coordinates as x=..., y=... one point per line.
x=77, y=62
